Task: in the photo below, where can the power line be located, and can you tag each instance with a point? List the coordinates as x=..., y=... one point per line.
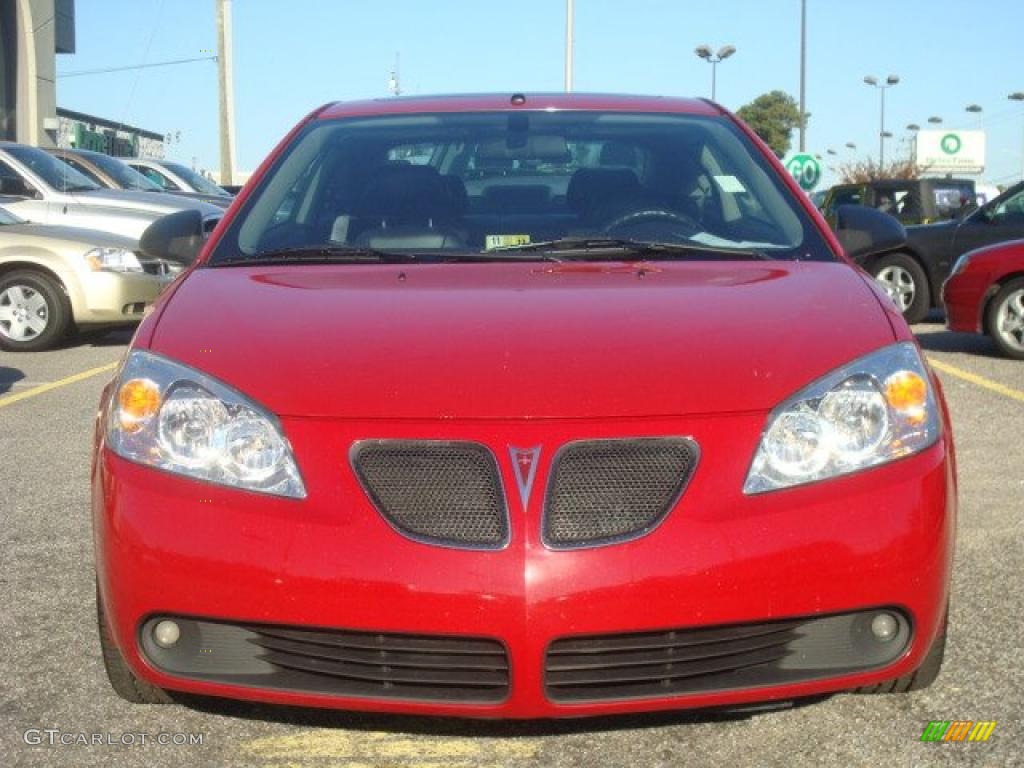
x=135, y=66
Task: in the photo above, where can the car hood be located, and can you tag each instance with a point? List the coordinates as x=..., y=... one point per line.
x=159, y=203
x=44, y=236
x=525, y=340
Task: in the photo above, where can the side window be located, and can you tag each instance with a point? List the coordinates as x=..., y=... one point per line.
x=13, y=185
x=1010, y=211
x=851, y=196
x=75, y=163
x=156, y=177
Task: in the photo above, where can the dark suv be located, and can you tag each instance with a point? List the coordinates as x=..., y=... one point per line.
x=913, y=274
x=912, y=201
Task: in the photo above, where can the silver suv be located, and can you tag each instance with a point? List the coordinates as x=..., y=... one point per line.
x=39, y=187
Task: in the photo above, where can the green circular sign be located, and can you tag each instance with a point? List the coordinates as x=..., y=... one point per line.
x=805, y=169
x=950, y=144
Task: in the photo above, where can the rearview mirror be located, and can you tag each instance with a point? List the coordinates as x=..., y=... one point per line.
x=177, y=237
x=864, y=231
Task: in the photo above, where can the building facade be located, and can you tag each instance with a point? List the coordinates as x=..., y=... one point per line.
x=32, y=33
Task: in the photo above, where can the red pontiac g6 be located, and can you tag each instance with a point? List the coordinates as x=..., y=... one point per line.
x=522, y=406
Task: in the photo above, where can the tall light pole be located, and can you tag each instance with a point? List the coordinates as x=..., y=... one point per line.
x=226, y=76
x=803, y=74
x=568, y=46
x=890, y=81
x=714, y=59
x=1019, y=96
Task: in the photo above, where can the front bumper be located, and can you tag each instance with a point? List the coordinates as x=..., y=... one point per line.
x=168, y=546
x=963, y=297
x=116, y=297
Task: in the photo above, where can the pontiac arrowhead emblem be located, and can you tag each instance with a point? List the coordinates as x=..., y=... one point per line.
x=524, y=467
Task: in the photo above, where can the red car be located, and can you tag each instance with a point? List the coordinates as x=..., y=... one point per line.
x=522, y=406
x=985, y=294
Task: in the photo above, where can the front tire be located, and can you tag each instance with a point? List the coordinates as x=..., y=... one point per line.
x=906, y=283
x=34, y=312
x=122, y=679
x=1005, y=319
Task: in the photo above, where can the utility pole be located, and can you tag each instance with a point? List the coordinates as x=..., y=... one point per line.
x=225, y=69
x=803, y=75
x=568, y=46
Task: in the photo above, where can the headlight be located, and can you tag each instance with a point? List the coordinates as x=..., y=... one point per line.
x=172, y=417
x=112, y=260
x=960, y=264
x=874, y=410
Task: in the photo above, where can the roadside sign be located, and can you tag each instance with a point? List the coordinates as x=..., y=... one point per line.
x=805, y=169
x=950, y=151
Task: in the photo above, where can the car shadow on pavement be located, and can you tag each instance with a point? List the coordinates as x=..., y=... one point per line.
x=426, y=725
x=8, y=378
x=938, y=339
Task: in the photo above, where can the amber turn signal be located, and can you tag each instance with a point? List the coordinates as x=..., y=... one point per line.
x=138, y=400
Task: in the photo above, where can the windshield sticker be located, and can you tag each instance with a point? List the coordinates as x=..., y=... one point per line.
x=730, y=184
x=505, y=241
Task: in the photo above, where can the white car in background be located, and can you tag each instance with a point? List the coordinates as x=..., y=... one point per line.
x=39, y=187
x=57, y=280
x=175, y=177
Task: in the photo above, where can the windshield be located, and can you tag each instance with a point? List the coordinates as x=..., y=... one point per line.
x=197, y=181
x=50, y=169
x=6, y=217
x=498, y=182
x=125, y=176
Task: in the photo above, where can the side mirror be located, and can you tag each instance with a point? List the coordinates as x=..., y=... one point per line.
x=177, y=237
x=863, y=231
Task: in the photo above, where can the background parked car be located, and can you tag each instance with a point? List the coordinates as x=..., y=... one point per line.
x=175, y=177
x=912, y=274
x=985, y=294
x=912, y=201
x=55, y=280
x=39, y=187
x=113, y=173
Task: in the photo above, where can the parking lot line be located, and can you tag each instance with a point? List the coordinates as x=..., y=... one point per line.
x=981, y=381
x=12, y=399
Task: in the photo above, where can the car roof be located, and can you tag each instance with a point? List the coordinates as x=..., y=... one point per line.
x=531, y=101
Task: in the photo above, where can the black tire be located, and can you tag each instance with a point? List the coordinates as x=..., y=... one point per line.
x=1011, y=291
x=122, y=679
x=55, y=311
x=923, y=676
x=901, y=274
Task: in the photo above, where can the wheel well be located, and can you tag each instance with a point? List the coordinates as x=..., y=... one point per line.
x=31, y=266
x=991, y=294
x=934, y=291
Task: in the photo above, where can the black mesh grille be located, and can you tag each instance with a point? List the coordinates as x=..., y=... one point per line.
x=440, y=492
x=697, y=660
x=335, y=662
x=606, y=490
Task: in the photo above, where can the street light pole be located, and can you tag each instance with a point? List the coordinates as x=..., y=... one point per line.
x=568, y=46
x=1019, y=96
x=225, y=67
x=714, y=59
x=890, y=81
x=803, y=74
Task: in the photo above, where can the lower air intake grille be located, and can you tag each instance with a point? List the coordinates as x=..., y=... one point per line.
x=335, y=662
x=707, y=659
x=603, y=491
x=438, y=492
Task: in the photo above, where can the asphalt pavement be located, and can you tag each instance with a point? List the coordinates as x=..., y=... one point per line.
x=53, y=689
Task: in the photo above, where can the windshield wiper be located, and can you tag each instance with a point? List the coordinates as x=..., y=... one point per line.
x=320, y=254
x=613, y=248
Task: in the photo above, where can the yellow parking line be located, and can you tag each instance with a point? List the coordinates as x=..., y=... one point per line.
x=981, y=381
x=42, y=388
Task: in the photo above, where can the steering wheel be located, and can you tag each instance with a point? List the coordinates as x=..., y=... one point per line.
x=650, y=216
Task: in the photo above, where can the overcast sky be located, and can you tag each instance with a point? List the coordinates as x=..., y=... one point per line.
x=292, y=56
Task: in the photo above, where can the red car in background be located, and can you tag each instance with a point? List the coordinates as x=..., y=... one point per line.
x=985, y=294
x=523, y=406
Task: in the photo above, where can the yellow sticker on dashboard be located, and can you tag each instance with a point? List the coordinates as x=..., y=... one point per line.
x=505, y=241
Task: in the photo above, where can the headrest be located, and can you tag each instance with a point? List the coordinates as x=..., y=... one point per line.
x=406, y=192
x=618, y=153
x=592, y=187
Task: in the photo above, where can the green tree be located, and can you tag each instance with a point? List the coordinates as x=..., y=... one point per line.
x=773, y=116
